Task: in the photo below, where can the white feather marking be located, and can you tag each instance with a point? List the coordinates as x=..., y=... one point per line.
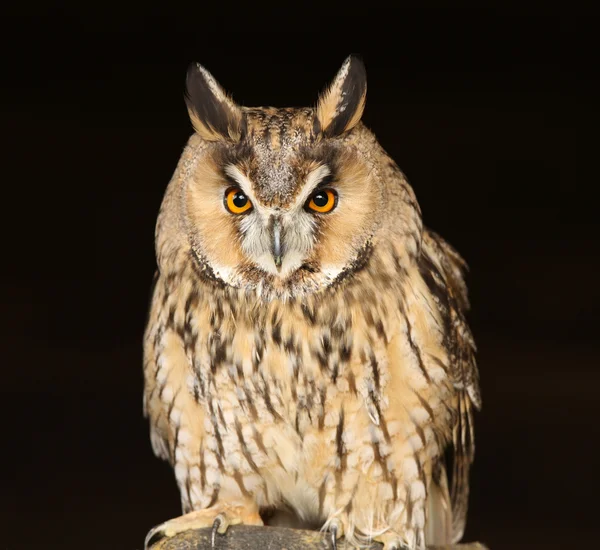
x=159, y=445
x=167, y=394
x=194, y=473
x=196, y=494
x=418, y=518
x=417, y=490
x=415, y=442
x=161, y=375
x=331, y=271
x=211, y=443
x=352, y=460
x=180, y=473
x=366, y=458
x=184, y=437
x=252, y=482
x=210, y=459
x=223, y=272
x=242, y=180
x=312, y=180
x=385, y=491
x=373, y=414
x=409, y=466
x=419, y=415
x=175, y=416
x=229, y=416
x=212, y=476
x=385, y=448
x=190, y=382
x=235, y=459
x=332, y=419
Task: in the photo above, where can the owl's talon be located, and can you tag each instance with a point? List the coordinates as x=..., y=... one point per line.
x=336, y=531
x=154, y=535
x=333, y=533
x=215, y=528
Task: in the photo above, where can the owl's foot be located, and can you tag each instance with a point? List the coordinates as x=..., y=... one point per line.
x=218, y=517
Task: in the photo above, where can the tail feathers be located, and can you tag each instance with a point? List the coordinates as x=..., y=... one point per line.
x=464, y=451
x=439, y=527
x=447, y=507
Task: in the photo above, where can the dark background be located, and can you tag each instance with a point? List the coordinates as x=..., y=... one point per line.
x=480, y=108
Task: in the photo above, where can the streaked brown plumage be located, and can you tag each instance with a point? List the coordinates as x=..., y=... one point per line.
x=306, y=364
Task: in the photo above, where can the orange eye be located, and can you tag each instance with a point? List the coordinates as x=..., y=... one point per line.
x=323, y=201
x=236, y=201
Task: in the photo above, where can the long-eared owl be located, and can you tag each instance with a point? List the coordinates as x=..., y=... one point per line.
x=306, y=357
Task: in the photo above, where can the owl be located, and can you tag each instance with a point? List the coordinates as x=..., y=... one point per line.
x=306, y=357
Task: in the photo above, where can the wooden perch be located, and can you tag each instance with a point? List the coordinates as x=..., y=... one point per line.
x=246, y=537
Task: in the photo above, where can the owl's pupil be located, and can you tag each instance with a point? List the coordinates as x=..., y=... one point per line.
x=321, y=199
x=240, y=200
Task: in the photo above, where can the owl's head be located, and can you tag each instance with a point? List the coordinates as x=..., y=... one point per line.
x=280, y=199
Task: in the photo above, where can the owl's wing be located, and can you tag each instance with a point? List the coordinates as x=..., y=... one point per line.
x=152, y=406
x=443, y=269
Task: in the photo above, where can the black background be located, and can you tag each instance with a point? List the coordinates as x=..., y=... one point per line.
x=480, y=108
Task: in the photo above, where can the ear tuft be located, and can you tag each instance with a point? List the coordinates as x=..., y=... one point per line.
x=341, y=105
x=214, y=115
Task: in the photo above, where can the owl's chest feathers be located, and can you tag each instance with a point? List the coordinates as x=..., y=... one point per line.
x=317, y=388
x=282, y=364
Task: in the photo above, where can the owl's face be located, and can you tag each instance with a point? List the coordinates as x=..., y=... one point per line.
x=279, y=199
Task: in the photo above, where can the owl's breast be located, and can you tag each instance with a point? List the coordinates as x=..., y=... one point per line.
x=272, y=384
x=308, y=396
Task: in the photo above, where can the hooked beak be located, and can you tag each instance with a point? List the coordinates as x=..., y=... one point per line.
x=276, y=242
